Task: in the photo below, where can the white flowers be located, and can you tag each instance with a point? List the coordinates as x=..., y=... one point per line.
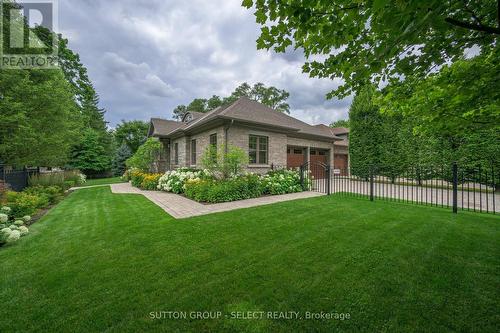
x=175, y=180
x=8, y=235
x=14, y=231
x=6, y=210
x=82, y=179
x=14, y=236
x=23, y=230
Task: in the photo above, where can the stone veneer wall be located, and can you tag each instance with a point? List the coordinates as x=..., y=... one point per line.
x=202, y=142
x=239, y=136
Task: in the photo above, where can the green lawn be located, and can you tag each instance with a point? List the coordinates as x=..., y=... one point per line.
x=103, y=181
x=103, y=262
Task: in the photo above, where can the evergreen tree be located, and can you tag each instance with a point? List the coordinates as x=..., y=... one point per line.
x=89, y=156
x=365, y=132
x=122, y=154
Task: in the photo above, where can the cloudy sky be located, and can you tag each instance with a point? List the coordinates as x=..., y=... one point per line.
x=147, y=56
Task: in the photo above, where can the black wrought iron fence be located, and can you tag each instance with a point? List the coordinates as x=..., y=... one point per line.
x=17, y=179
x=460, y=188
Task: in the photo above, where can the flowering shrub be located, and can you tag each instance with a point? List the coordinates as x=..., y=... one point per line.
x=11, y=233
x=136, y=177
x=150, y=181
x=53, y=194
x=281, y=182
x=175, y=181
x=22, y=203
x=4, y=218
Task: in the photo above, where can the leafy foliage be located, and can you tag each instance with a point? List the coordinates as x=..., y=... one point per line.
x=224, y=161
x=270, y=96
x=89, y=155
x=340, y=123
x=365, y=132
x=38, y=117
x=145, y=157
x=373, y=41
x=43, y=111
x=210, y=191
x=131, y=133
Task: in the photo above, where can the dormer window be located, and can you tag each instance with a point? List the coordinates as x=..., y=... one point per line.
x=188, y=118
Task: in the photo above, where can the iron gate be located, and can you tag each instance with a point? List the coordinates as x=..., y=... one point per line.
x=315, y=176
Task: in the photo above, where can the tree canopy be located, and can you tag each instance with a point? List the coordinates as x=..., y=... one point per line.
x=46, y=113
x=270, y=96
x=131, y=133
x=376, y=40
x=340, y=123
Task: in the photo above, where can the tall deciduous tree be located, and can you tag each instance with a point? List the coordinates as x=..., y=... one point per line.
x=38, y=118
x=376, y=40
x=89, y=155
x=271, y=96
x=131, y=133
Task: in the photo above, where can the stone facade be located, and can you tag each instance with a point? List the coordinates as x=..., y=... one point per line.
x=202, y=143
x=238, y=135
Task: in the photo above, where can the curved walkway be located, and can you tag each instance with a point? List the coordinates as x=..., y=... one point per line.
x=180, y=207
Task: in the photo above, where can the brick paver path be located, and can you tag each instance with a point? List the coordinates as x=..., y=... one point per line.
x=180, y=207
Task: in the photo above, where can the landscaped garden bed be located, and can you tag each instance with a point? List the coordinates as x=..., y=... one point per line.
x=202, y=186
x=18, y=210
x=221, y=180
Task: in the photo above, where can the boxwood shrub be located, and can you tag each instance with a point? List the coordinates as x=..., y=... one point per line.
x=211, y=191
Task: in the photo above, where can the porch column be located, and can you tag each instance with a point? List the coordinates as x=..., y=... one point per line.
x=331, y=156
x=308, y=154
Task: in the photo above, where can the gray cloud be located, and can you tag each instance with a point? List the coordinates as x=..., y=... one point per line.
x=146, y=57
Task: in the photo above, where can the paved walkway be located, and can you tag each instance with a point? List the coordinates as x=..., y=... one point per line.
x=181, y=207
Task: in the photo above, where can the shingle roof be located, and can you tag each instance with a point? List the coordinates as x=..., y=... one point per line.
x=163, y=127
x=195, y=115
x=249, y=111
x=340, y=130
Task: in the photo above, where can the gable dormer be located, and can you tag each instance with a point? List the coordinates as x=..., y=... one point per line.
x=190, y=116
x=187, y=117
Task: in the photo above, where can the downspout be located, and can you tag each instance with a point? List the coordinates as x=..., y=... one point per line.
x=226, y=129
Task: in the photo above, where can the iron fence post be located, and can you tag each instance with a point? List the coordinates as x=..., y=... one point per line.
x=328, y=169
x=371, y=183
x=455, y=187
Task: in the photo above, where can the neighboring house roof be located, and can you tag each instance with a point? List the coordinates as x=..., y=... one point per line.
x=340, y=130
x=247, y=111
x=342, y=143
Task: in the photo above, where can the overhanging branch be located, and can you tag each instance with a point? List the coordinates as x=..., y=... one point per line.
x=482, y=28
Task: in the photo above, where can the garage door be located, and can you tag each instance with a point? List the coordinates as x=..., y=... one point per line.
x=318, y=157
x=294, y=157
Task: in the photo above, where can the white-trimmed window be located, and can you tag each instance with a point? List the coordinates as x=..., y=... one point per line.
x=258, y=149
